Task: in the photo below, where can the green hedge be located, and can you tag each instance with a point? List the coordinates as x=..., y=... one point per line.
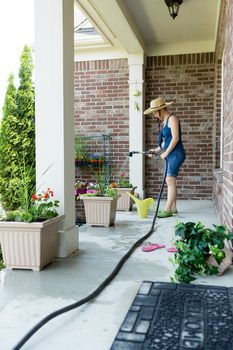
x=17, y=136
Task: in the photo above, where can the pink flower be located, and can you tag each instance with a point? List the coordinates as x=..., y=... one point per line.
x=50, y=191
x=91, y=191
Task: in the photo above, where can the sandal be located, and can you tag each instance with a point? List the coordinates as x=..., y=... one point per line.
x=164, y=214
x=172, y=211
x=172, y=250
x=149, y=247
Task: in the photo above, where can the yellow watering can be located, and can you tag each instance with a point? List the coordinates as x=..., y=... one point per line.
x=142, y=205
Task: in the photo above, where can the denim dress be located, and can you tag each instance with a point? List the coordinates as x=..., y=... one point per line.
x=177, y=156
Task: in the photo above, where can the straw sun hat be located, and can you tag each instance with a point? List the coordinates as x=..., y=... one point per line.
x=156, y=105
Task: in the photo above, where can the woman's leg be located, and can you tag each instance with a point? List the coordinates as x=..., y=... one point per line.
x=173, y=207
x=171, y=193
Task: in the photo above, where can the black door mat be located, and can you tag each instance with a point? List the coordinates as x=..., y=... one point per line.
x=170, y=316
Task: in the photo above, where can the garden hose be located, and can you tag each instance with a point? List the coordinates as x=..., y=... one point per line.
x=99, y=289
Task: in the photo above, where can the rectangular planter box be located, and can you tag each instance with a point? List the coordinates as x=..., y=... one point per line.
x=100, y=211
x=125, y=202
x=29, y=245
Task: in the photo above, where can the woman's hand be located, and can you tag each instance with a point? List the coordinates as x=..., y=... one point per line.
x=163, y=155
x=153, y=151
x=158, y=150
x=150, y=153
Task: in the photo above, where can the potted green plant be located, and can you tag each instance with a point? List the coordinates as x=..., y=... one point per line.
x=29, y=235
x=96, y=159
x=195, y=245
x=124, y=202
x=81, y=151
x=100, y=204
x=80, y=187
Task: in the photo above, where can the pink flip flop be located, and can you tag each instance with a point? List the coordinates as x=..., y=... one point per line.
x=149, y=247
x=172, y=250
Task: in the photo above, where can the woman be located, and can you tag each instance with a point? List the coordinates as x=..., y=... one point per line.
x=173, y=150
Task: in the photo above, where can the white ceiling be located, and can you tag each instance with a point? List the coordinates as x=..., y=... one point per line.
x=196, y=20
x=145, y=26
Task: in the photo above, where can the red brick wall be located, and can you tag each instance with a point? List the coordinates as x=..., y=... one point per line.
x=225, y=198
x=218, y=174
x=102, y=105
x=217, y=134
x=217, y=114
x=188, y=81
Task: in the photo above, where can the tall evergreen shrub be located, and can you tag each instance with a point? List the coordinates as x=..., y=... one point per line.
x=17, y=136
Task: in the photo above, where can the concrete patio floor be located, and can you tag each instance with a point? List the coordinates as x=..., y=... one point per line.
x=26, y=297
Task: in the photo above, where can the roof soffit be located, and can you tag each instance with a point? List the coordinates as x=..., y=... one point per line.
x=113, y=21
x=144, y=26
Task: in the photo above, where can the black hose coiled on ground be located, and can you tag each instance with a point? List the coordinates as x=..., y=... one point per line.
x=99, y=289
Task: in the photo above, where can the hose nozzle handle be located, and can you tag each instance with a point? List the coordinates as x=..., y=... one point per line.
x=130, y=154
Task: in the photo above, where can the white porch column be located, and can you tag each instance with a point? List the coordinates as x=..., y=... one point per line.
x=136, y=121
x=54, y=60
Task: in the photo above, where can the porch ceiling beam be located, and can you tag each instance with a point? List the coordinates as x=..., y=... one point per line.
x=113, y=21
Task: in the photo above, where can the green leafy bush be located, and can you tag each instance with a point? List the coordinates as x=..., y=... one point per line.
x=17, y=135
x=8, y=145
x=195, y=244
